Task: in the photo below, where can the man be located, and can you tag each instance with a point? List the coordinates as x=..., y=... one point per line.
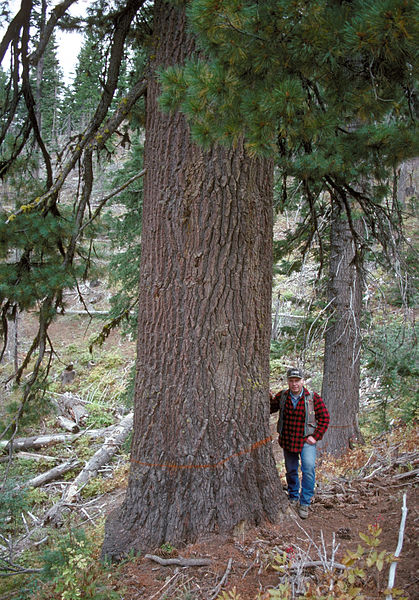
x=302, y=422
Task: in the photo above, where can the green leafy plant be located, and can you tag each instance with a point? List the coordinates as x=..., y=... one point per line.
x=37, y=496
x=167, y=548
x=93, y=488
x=12, y=503
x=229, y=595
x=358, y=569
x=73, y=573
x=38, y=405
x=100, y=415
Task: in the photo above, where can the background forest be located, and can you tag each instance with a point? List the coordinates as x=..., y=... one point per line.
x=344, y=287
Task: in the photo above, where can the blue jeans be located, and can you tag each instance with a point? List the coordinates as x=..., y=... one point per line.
x=308, y=461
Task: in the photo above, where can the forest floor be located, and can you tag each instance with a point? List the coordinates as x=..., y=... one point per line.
x=361, y=493
x=342, y=508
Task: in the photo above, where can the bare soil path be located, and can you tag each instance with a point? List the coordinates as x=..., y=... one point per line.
x=343, y=507
x=252, y=550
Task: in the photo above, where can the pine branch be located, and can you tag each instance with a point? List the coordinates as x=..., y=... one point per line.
x=30, y=104
x=20, y=19
x=56, y=14
x=104, y=200
x=94, y=142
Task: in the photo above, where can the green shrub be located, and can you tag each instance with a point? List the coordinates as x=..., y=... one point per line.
x=12, y=503
x=71, y=571
x=392, y=359
x=100, y=415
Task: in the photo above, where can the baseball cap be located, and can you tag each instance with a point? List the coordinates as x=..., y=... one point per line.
x=294, y=372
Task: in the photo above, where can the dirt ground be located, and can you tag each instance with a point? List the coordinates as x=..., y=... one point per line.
x=72, y=329
x=331, y=524
x=339, y=512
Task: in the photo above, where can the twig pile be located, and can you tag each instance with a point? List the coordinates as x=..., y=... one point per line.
x=381, y=471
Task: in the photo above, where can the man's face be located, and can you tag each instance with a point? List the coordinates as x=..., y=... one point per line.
x=295, y=385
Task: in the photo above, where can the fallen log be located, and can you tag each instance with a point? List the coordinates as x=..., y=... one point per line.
x=40, y=441
x=68, y=424
x=30, y=456
x=72, y=406
x=113, y=441
x=49, y=475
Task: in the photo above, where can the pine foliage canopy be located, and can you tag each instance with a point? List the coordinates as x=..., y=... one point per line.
x=329, y=82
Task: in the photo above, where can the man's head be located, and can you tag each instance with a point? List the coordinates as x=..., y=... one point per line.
x=295, y=380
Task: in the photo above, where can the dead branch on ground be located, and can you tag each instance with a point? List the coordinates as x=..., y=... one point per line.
x=50, y=475
x=116, y=438
x=397, y=471
x=392, y=572
x=179, y=560
x=223, y=579
x=40, y=441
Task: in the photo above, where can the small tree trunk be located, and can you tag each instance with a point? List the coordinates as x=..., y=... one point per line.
x=201, y=456
x=277, y=319
x=341, y=375
x=11, y=333
x=11, y=351
x=16, y=341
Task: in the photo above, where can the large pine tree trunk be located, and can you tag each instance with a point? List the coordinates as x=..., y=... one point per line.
x=341, y=375
x=201, y=459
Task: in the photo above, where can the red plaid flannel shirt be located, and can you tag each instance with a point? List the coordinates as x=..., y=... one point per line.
x=292, y=436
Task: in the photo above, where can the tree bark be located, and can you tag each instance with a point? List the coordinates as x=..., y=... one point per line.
x=201, y=455
x=341, y=374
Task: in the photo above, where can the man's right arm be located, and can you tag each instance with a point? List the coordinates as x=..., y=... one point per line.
x=274, y=400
